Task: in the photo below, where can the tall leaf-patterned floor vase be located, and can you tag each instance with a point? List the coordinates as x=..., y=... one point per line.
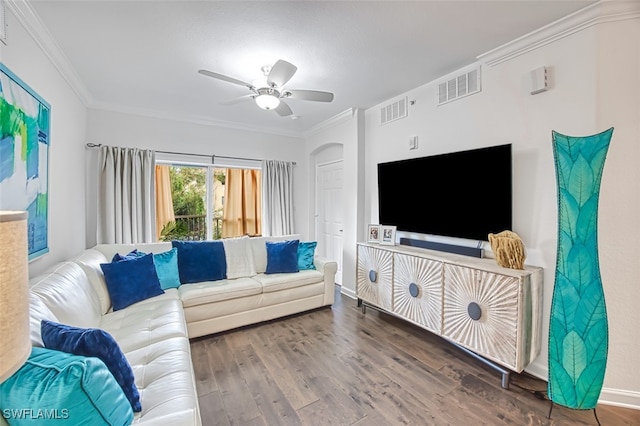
x=578, y=331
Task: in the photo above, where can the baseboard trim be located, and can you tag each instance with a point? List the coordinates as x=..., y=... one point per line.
x=620, y=398
x=348, y=292
x=608, y=396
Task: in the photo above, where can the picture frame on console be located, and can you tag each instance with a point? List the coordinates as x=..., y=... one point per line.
x=388, y=235
x=373, y=233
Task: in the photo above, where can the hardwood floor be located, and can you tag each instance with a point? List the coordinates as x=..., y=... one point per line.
x=337, y=366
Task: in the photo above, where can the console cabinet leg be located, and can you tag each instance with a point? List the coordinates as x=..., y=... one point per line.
x=506, y=377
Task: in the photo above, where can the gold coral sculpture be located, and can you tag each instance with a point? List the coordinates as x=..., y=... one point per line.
x=508, y=248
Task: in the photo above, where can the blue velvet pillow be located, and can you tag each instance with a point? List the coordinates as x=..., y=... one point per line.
x=131, y=255
x=97, y=343
x=282, y=256
x=131, y=281
x=200, y=261
x=166, y=265
x=167, y=268
x=306, y=251
x=71, y=389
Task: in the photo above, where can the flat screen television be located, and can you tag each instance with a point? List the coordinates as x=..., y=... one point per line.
x=464, y=194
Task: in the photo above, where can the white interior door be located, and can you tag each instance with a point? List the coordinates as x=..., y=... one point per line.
x=329, y=213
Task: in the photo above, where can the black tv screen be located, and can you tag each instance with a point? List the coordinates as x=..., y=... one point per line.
x=464, y=194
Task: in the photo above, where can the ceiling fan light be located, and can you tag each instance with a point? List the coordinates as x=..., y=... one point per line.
x=267, y=101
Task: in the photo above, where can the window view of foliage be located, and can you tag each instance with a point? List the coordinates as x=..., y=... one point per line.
x=189, y=190
x=189, y=193
x=220, y=175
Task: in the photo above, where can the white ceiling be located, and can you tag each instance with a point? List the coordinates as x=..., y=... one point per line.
x=143, y=56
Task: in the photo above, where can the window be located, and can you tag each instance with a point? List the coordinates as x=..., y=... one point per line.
x=196, y=201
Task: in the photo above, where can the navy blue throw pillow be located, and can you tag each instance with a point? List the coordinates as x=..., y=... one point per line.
x=131, y=281
x=97, y=343
x=282, y=256
x=131, y=255
x=200, y=261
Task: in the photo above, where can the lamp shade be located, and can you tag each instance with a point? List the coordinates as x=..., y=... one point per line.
x=14, y=293
x=267, y=101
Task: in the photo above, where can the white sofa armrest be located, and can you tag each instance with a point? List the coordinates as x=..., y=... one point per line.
x=328, y=269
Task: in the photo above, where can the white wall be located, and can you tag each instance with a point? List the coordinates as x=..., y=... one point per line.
x=618, y=105
x=128, y=130
x=594, y=85
x=345, y=130
x=24, y=57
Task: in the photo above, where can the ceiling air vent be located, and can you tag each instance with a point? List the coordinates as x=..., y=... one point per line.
x=460, y=86
x=393, y=111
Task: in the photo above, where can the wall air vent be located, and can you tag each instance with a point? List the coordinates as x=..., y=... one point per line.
x=459, y=86
x=393, y=111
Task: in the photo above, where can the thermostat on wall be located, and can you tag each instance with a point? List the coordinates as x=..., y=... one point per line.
x=539, y=80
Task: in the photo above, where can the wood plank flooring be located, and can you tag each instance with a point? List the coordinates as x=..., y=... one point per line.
x=337, y=366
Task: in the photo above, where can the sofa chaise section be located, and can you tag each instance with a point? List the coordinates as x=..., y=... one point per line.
x=151, y=334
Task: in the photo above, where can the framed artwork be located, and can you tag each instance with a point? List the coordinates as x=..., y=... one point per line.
x=373, y=233
x=24, y=157
x=388, y=234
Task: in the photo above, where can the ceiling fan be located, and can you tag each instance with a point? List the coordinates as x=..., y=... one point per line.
x=269, y=92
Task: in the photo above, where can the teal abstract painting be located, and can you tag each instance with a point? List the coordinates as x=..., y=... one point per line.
x=24, y=157
x=578, y=329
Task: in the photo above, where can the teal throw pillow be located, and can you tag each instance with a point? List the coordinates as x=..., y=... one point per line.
x=131, y=281
x=166, y=265
x=306, y=251
x=93, y=342
x=167, y=268
x=282, y=256
x=54, y=388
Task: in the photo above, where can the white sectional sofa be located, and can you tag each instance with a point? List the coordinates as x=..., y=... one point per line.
x=154, y=333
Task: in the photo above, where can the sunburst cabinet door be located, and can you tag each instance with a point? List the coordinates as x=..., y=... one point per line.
x=375, y=276
x=417, y=291
x=481, y=313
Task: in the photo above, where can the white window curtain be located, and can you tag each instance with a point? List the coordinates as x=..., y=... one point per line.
x=277, y=198
x=126, y=202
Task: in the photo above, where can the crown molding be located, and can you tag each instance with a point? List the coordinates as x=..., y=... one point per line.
x=337, y=119
x=36, y=29
x=201, y=120
x=597, y=13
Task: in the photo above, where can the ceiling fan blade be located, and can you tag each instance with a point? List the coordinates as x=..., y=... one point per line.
x=310, y=95
x=238, y=100
x=225, y=78
x=280, y=73
x=283, y=109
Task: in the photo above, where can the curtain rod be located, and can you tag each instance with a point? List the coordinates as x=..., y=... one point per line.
x=98, y=145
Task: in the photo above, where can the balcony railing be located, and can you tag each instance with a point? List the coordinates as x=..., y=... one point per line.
x=194, y=227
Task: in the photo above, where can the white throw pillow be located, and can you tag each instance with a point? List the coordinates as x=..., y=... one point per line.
x=239, y=257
